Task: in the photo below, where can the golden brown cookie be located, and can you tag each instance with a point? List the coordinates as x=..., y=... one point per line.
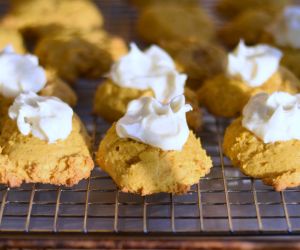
x=73, y=57
x=54, y=87
x=175, y=23
x=139, y=168
x=200, y=61
x=11, y=37
x=114, y=45
x=111, y=100
x=291, y=56
x=75, y=14
x=224, y=96
x=249, y=26
x=233, y=8
x=277, y=164
x=31, y=160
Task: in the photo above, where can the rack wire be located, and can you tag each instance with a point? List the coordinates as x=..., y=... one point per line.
x=225, y=202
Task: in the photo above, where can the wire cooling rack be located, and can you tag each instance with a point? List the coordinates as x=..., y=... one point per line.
x=225, y=202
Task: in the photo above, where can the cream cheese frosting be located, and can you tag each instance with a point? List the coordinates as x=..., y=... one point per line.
x=274, y=117
x=286, y=30
x=160, y=125
x=19, y=73
x=253, y=65
x=47, y=118
x=152, y=69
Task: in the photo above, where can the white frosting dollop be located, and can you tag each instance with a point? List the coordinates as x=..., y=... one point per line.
x=19, y=73
x=274, y=117
x=159, y=125
x=47, y=118
x=152, y=69
x=253, y=65
x=286, y=30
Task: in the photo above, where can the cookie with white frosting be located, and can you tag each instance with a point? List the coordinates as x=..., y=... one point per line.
x=264, y=142
x=41, y=145
x=22, y=73
x=142, y=73
x=151, y=149
x=250, y=70
x=285, y=33
x=281, y=30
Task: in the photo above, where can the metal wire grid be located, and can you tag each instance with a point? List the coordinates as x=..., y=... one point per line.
x=224, y=202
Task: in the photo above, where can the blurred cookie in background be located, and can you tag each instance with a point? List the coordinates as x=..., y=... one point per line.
x=284, y=32
x=233, y=8
x=76, y=14
x=249, y=26
x=164, y=22
x=72, y=30
x=199, y=61
x=85, y=54
x=73, y=57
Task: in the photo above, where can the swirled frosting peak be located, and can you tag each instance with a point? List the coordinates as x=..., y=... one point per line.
x=153, y=69
x=47, y=118
x=274, y=117
x=19, y=73
x=159, y=125
x=253, y=65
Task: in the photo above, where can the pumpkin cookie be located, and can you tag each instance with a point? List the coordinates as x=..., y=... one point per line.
x=284, y=33
x=175, y=23
x=111, y=101
x=226, y=94
x=200, y=61
x=250, y=26
x=46, y=147
x=270, y=151
x=81, y=58
x=149, y=73
x=22, y=73
x=233, y=8
x=35, y=13
x=138, y=166
x=112, y=44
